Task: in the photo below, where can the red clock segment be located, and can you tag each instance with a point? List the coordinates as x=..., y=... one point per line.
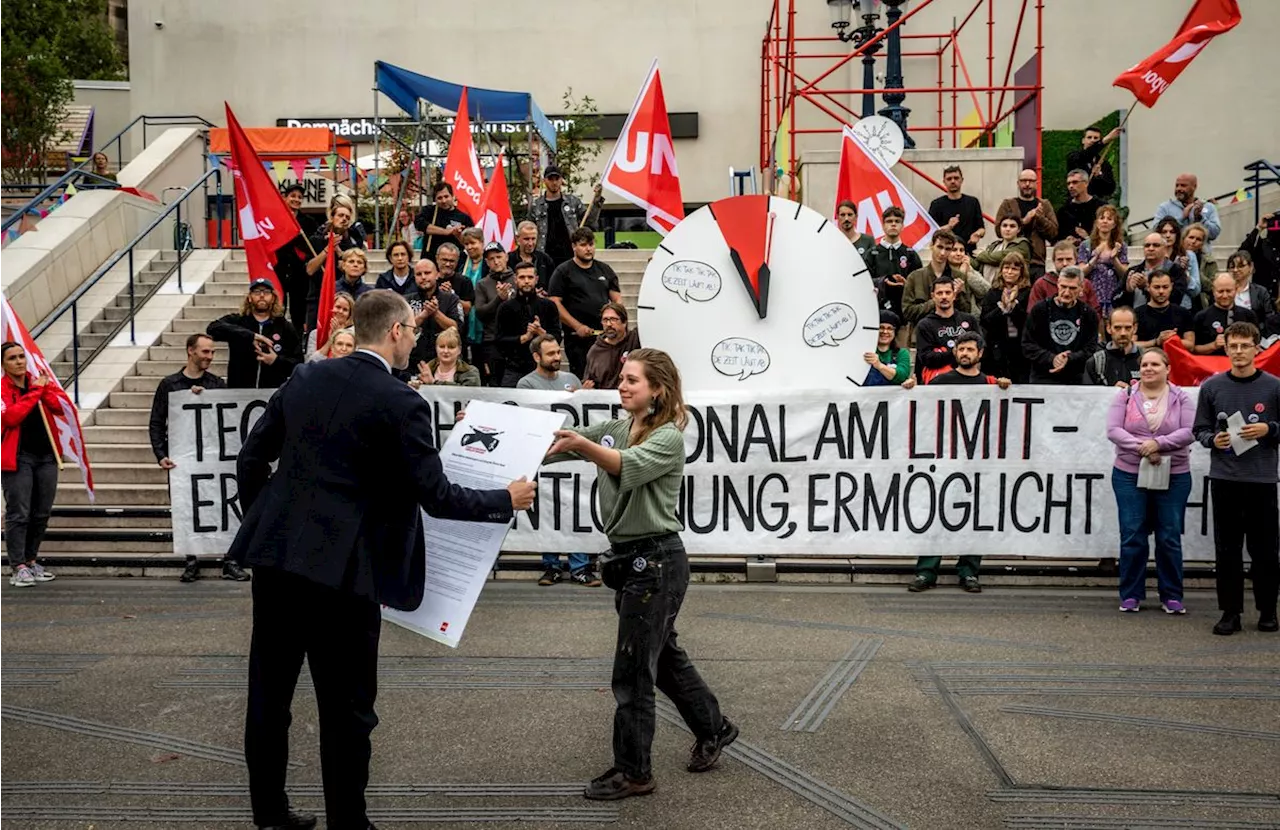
x=744, y=222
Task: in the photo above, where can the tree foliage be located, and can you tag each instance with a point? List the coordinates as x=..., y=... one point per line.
x=44, y=44
x=578, y=144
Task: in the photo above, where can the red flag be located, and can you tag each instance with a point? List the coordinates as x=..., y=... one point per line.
x=462, y=167
x=642, y=169
x=1207, y=19
x=864, y=180
x=62, y=418
x=494, y=217
x=266, y=222
x=328, y=292
x=1187, y=369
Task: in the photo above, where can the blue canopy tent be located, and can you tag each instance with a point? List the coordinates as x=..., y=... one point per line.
x=406, y=89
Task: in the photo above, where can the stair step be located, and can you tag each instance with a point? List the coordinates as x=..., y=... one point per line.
x=121, y=453
x=159, y=369
x=130, y=400
x=116, y=473
x=146, y=384
x=116, y=435
x=191, y=325
x=111, y=417
x=115, y=494
x=119, y=522
x=101, y=546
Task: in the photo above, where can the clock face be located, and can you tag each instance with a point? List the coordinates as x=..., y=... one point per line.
x=759, y=292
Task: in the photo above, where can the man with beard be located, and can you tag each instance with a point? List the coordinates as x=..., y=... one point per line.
x=546, y=375
x=1093, y=146
x=847, y=220
x=196, y=377
x=1118, y=362
x=580, y=288
x=1039, y=222
x=958, y=212
x=558, y=215
x=264, y=347
x=967, y=354
x=447, y=256
x=1077, y=214
x=1159, y=319
x=1208, y=329
x=434, y=310
x=616, y=341
x=441, y=221
x=526, y=250
x=1155, y=257
x=1187, y=209
x=521, y=319
x=936, y=333
x=1061, y=333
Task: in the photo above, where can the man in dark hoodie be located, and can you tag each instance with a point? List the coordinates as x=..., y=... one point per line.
x=1061, y=333
x=1117, y=364
x=263, y=347
x=937, y=331
x=493, y=289
x=521, y=319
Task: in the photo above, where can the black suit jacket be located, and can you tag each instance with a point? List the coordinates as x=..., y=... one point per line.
x=356, y=461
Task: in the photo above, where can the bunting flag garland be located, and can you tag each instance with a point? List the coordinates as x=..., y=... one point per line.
x=299, y=168
x=281, y=169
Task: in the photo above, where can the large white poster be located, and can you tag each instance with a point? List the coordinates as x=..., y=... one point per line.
x=848, y=472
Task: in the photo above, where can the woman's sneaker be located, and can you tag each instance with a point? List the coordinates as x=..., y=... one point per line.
x=1173, y=606
x=40, y=574
x=1130, y=606
x=22, y=577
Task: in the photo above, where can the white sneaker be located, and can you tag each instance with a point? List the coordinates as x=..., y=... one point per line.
x=40, y=574
x=22, y=577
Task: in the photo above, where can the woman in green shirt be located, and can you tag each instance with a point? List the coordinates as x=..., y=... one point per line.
x=890, y=365
x=641, y=461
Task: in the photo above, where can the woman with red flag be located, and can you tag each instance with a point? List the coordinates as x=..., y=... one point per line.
x=30, y=464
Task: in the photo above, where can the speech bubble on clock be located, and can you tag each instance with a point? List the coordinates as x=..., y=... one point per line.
x=740, y=357
x=830, y=324
x=689, y=280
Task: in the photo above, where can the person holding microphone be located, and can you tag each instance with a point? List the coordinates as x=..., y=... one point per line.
x=641, y=460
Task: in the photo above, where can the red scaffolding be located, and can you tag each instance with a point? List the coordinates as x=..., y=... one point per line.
x=783, y=84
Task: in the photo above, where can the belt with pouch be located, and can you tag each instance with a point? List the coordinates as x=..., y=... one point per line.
x=632, y=557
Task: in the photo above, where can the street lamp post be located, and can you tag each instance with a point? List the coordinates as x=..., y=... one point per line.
x=894, y=110
x=861, y=35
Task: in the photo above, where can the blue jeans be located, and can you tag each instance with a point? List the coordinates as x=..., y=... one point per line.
x=577, y=561
x=1140, y=513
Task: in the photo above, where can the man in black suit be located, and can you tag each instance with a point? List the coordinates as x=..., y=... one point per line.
x=332, y=534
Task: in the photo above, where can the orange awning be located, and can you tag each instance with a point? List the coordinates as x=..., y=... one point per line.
x=284, y=142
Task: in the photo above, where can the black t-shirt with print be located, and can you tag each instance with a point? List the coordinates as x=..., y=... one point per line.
x=1214, y=321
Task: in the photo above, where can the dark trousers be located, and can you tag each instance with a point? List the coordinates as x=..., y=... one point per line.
x=28, y=499
x=1141, y=513
x=295, y=299
x=1245, y=512
x=575, y=349
x=489, y=360
x=294, y=617
x=965, y=566
x=647, y=654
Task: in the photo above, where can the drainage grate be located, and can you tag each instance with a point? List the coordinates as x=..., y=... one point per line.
x=1134, y=720
x=813, y=710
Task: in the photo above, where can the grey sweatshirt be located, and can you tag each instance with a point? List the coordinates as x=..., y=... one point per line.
x=1257, y=398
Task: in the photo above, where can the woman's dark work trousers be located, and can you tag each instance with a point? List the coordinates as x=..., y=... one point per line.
x=647, y=654
x=1245, y=513
x=337, y=632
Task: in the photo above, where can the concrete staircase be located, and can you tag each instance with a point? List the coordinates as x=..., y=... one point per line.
x=130, y=520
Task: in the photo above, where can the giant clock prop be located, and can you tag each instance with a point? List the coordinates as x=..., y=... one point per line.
x=757, y=292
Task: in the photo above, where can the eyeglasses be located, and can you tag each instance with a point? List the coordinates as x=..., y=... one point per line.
x=1153, y=244
x=417, y=330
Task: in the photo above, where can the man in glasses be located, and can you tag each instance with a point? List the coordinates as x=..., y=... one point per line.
x=1039, y=222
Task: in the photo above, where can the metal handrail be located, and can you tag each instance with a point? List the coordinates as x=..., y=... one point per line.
x=1253, y=184
x=62, y=181
x=117, y=140
x=70, y=304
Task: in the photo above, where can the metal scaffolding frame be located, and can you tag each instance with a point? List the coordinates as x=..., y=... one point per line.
x=782, y=84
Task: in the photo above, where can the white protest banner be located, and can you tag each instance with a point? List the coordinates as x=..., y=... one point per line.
x=205, y=434
x=864, y=472
x=847, y=472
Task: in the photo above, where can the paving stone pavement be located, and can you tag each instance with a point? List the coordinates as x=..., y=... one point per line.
x=860, y=707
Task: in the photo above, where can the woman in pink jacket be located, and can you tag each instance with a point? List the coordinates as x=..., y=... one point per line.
x=1151, y=421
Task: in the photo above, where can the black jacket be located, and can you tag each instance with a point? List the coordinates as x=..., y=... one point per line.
x=1109, y=366
x=514, y=317
x=357, y=460
x=1052, y=329
x=243, y=369
x=1101, y=185
x=935, y=337
x=158, y=426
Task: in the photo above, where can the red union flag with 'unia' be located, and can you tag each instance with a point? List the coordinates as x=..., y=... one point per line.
x=642, y=169
x=1206, y=20
x=266, y=222
x=462, y=166
x=865, y=181
x=61, y=417
x=495, y=210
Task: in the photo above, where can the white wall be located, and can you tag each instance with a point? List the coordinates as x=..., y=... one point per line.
x=278, y=59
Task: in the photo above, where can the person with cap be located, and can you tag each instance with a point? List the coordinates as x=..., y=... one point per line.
x=263, y=346
x=494, y=288
x=558, y=214
x=890, y=364
x=291, y=260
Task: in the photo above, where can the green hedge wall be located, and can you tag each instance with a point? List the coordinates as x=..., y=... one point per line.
x=1056, y=144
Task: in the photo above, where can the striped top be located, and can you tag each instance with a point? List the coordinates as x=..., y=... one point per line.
x=640, y=502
